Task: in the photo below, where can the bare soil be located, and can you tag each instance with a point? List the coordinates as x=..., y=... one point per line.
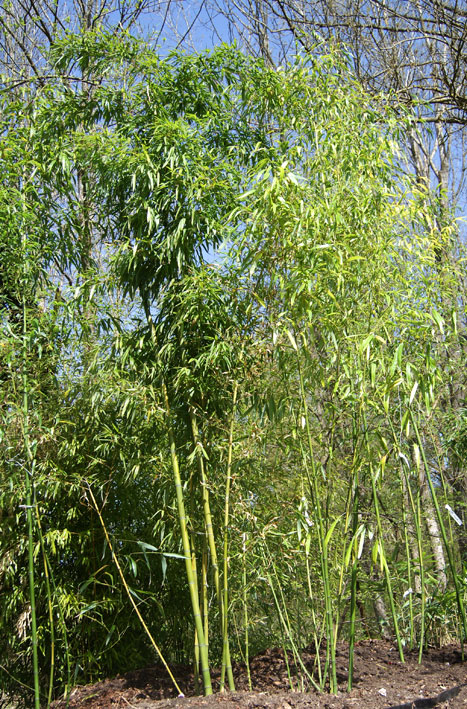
x=381, y=681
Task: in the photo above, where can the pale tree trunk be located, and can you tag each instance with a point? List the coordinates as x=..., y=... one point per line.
x=412, y=535
x=261, y=27
x=382, y=616
x=434, y=533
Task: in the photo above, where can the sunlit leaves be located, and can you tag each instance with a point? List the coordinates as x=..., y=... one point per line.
x=324, y=315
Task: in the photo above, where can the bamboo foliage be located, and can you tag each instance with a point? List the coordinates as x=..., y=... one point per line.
x=332, y=273
x=270, y=419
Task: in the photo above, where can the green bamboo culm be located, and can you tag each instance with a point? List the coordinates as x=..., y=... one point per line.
x=316, y=639
x=282, y=625
x=204, y=591
x=227, y=666
x=415, y=509
x=417, y=513
x=382, y=555
x=187, y=552
x=245, y=612
x=353, y=591
x=405, y=524
x=50, y=608
x=51, y=586
x=194, y=571
x=323, y=542
x=460, y=602
x=29, y=478
x=203, y=650
x=226, y=662
x=285, y=624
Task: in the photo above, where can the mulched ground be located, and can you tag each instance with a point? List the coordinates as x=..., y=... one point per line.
x=381, y=682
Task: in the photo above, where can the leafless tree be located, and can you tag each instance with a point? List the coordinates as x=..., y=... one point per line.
x=416, y=47
x=416, y=50
x=29, y=27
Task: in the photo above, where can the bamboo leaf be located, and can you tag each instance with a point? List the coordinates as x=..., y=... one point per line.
x=413, y=392
x=292, y=340
x=330, y=531
x=438, y=320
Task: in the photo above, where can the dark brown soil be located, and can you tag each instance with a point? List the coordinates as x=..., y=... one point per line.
x=381, y=681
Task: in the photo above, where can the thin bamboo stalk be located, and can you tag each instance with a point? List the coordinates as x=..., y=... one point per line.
x=212, y=548
x=387, y=575
x=128, y=592
x=422, y=577
x=310, y=590
x=204, y=592
x=415, y=506
x=50, y=609
x=408, y=557
x=285, y=622
x=353, y=597
x=203, y=650
x=50, y=575
x=314, y=490
x=379, y=526
x=196, y=665
x=226, y=661
x=245, y=612
x=313, y=615
x=460, y=602
x=30, y=503
x=194, y=570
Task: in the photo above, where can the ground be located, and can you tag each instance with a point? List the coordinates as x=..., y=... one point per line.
x=381, y=682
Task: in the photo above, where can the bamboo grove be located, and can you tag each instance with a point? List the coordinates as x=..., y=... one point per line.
x=232, y=410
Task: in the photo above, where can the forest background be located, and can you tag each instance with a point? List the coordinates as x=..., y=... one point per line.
x=232, y=298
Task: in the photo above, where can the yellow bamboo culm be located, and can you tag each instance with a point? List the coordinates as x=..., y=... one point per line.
x=140, y=617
